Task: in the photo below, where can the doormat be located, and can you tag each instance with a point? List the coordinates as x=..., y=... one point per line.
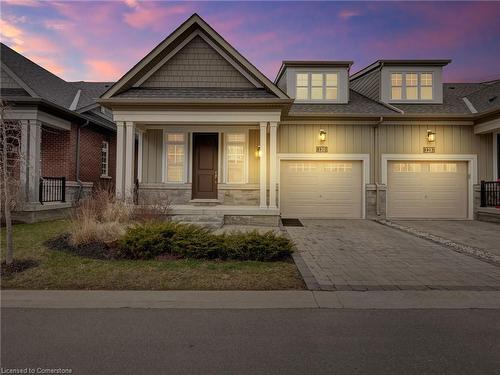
x=291, y=223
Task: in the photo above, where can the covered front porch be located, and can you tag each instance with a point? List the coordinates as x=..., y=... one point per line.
x=211, y=163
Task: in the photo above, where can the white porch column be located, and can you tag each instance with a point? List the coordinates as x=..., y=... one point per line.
x=34, y=160
x=140, y=132
x=120, y=148
x=263, y=165
x=129, y=160
x=273, y=166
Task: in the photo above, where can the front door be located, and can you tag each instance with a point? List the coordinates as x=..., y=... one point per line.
x=205, y=147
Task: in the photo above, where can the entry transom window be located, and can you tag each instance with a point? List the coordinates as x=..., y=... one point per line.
x=104, y=159
x=235, y=158
x=317, y=86
x=411, y=86
x=176, y=156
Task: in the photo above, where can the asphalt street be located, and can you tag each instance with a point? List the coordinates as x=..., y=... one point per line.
x=268, y=341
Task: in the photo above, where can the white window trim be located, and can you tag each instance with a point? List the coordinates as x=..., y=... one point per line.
x=164, y=159
x=365, y=170
x=309, y=86
x=245, y=159
x=471, y=170
x=105, y=175
x=419, y=86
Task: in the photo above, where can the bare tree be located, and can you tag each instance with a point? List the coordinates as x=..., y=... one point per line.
x=10, y=162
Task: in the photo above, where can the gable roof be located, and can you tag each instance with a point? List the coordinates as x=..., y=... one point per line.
x=194, y=25
x=37, y=81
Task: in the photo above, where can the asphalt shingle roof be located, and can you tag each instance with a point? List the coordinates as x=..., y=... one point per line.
x=90, y=91
x=45, y=84
x=195, y=93
x=487, y=98
x=358, y=104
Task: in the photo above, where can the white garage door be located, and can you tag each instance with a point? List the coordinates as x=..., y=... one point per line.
x=427, y=190
x=321, y=189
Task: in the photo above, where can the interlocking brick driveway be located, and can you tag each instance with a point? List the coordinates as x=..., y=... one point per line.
x=365, y=255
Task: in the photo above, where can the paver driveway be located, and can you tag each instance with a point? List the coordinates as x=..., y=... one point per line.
x=365, y=255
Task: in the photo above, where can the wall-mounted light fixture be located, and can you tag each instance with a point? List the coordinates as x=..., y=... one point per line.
x=322, y=135
x=431, y=136
x=258, y=152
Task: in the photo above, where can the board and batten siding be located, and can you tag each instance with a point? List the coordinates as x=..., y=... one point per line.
x=392, y=139
x=152, y=150
x=340, y=139
x=450, y=139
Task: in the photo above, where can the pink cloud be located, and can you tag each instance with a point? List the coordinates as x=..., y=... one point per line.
x=148, y=15
x=28, y=3
x=347, y=13
x=103, y=70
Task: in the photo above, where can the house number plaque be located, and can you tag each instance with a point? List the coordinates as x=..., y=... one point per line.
x=321, y=148
x=429, y=150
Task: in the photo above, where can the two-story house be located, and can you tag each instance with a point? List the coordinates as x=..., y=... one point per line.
x=213, y=135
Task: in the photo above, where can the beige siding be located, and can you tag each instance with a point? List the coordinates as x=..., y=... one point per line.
x=458, y=139
x=152, y=149
x=197, y=65
x=340, y=139
x=392, y=139
x=7, y=82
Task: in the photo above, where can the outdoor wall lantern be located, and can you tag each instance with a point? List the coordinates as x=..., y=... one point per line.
x=322, y=135
x=258, y=152
x=431, y=136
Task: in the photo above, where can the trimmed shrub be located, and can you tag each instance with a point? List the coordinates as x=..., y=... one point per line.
x=256, y=246
x=150, y=240
x=147, y=241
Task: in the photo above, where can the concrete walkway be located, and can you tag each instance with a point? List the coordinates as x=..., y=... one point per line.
x=60, y=299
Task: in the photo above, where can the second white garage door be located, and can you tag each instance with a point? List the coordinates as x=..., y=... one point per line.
x=427, y=190
x=321, y=189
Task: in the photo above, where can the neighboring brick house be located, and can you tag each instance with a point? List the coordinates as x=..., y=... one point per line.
x=65, y=134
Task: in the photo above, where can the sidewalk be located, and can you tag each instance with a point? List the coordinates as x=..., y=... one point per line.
x=62, y=299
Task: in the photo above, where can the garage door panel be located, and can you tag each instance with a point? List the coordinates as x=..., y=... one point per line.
x=427, y=189
x=321, y=189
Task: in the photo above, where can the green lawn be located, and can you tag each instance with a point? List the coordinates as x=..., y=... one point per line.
x=61, y=270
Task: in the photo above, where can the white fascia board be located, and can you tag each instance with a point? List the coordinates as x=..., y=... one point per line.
x=201, y=117
x=488, y=127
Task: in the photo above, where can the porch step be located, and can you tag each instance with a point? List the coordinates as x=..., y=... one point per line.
x=490, y=214
x=206, y=221
x=204, y=202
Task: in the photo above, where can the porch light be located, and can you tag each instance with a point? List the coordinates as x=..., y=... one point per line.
x=322, y=135
x=258, y=152
x=431, y=136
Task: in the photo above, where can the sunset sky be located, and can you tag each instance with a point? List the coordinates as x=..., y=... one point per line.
x=101, y=40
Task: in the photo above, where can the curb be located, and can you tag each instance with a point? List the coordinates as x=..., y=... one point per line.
x=475, y=252
x=237, y=300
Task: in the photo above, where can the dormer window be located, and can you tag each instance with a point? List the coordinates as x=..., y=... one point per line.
x=411, y=86
x=317, y=86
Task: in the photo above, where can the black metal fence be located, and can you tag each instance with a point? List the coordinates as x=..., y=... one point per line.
x=490, y=193
x=52, y=189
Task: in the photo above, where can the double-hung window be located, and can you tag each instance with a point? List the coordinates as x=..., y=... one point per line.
x=316, y=86
x=235, y=158
x=104, y=159
x=411, y=86
x=176, y=157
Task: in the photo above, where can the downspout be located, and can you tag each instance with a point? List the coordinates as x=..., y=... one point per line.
x=375, y=169
x=78, y=181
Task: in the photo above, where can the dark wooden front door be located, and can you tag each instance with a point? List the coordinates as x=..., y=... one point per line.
x=205, y=147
